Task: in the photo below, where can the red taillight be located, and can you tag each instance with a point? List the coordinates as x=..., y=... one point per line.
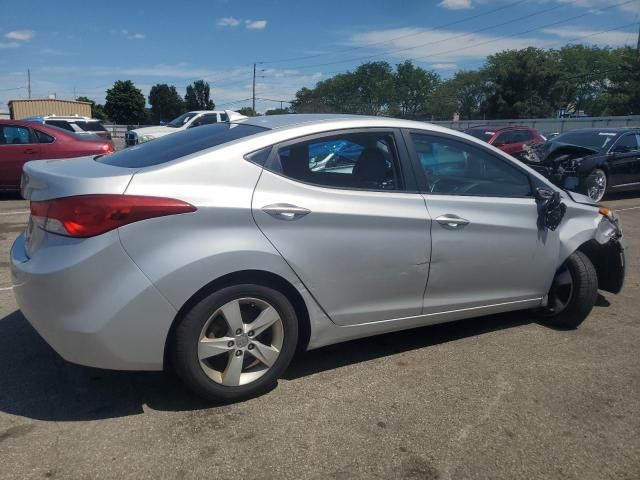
x=107, y=148
x=90, y=215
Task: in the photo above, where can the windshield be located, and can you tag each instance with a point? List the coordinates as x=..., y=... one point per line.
x=181, y=120
x=179, y=144
x=590, y=139
x=480, y=133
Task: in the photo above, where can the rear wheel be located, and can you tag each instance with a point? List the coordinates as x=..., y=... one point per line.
x=235, y=343
x=573, y=292
x=596, y=184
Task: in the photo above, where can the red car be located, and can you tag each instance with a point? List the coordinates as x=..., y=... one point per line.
x=510, y=140
x=21, y=142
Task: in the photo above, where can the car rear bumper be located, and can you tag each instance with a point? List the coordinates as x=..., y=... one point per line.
x=91, y=303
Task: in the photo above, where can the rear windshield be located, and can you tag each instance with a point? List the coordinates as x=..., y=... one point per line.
x=81, y=138
x=179, y=144
x=590, y=139
x=91, y=126
x=482, y=134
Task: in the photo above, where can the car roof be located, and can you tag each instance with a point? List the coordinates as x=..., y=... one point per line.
x=606, y=130
x=500, y=129
x=276, y=122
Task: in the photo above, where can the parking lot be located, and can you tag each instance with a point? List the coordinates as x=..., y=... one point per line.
x=493, y=397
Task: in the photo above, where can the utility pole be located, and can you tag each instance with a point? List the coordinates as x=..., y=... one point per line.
x=253, y=96
x=638, y=45
x=29, y=82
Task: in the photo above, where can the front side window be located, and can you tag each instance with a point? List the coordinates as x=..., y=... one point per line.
x=14, y=135
x=354, y=160
x=452, y=167
x=505, y=138
x=626, y=144
x=204, y=120
x=181, y=120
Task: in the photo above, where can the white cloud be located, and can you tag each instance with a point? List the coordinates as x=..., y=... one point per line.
x=130, y=36
x=9, y=45
x=22, y=35
x=228, y=22
x=613, y=39
x=455, y=4
x=255, y=24
x=441, y=46
x=444, y=66
x=632, y=6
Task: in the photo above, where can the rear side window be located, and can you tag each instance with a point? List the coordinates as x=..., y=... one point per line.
x=43, y=137
x=179, y=144
x=353, y=160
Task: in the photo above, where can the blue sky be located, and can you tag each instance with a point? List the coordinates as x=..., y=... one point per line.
x=83, y=47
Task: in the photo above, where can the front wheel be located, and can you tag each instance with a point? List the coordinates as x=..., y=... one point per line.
x=573, y=292
x=235, y=343
x=596, y=184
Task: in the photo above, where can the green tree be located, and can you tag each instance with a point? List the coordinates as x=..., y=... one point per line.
x=414, y=88
x=197, y=96
x=166, y=103
x=584, y=77
x=623, y=92
x=470, y=89
x=247, y=112
x=97, y=110
x=125, y=103
x=277, y=111
x=524, y=83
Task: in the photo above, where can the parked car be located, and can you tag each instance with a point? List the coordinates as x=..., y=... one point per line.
x=510, y=140
x=592, y=161
x=75, y=124
x=221, y=250
x=22, y=142
x=183, y=122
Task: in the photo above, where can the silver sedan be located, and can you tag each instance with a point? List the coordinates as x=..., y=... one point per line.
x=222, y=250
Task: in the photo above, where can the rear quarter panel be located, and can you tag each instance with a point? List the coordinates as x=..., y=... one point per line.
x=181, y=254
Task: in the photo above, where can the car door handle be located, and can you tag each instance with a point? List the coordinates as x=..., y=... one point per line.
x=451, y=221
x=30, y=150
x=285, y=211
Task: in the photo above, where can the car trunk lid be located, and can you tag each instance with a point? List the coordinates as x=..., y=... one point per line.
x=47, y=179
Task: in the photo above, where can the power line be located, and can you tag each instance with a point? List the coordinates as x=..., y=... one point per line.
x=301, y=67
x=368, y=45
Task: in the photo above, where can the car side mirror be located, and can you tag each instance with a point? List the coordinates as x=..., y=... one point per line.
x=551, y=210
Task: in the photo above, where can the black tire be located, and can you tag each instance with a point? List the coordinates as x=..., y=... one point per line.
x=582, y=298
x=187, y=336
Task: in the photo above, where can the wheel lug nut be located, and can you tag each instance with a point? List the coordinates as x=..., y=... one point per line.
x=238, y=331
x=250, y=333
x=230, y=343
x=251, y=346
x=238, y=353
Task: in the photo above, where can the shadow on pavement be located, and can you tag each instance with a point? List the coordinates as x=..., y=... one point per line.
x=35, y=382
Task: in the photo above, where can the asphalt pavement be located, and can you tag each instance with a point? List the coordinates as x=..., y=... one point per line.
x=497, y=397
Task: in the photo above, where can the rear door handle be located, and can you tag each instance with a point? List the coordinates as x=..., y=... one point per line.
x=30, y=150
x=452, y=222
x=285, y=211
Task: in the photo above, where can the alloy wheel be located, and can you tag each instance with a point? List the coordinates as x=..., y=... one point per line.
x=561, y=291
x=240, y=342
x=596, y=185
